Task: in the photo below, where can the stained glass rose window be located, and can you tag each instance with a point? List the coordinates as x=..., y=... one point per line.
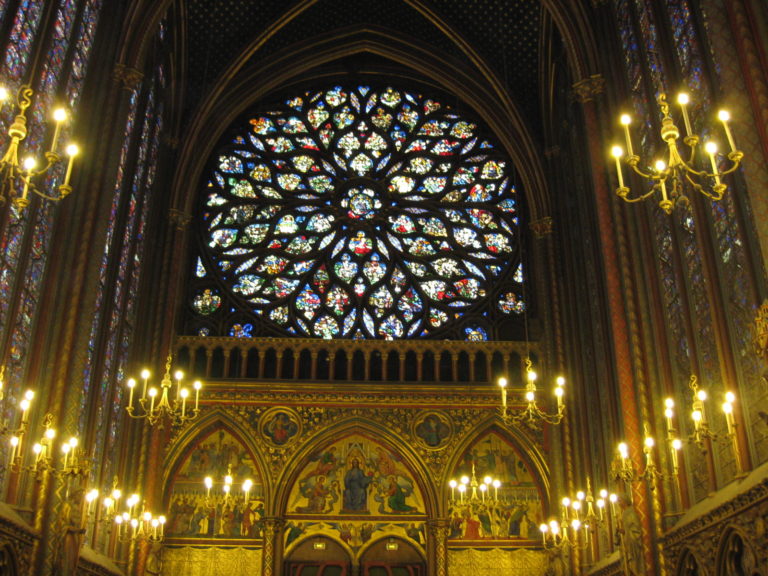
x=358, y=213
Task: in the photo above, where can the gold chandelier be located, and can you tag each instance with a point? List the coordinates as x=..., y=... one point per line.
x=531, y=412
x=156, y=404
x=669, y=177
x=18, y=178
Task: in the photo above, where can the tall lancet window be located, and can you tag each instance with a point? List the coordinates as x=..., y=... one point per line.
x=694, y=286
x=356, y=212
x=48, y=47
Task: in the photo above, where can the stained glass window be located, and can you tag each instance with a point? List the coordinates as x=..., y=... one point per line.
x=357, y=213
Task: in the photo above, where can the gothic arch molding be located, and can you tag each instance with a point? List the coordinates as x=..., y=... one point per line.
x=521, y=442
x=233, y=98
x=736, y=555
x=208, y=424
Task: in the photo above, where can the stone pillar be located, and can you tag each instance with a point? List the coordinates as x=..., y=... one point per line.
x=272, y=556
x=438, y=546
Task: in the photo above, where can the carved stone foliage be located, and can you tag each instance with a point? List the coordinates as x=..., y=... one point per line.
x=16, y=546
x=728, y=540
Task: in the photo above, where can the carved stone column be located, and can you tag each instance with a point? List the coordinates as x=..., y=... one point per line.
x=273, y=546
x=438, y=546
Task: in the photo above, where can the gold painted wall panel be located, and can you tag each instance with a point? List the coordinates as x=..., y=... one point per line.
x=494, y=562
x=194, y=561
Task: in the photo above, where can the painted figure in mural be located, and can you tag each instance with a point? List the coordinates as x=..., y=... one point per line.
x=280, y=429
x=293, y=532
x=326, y=462
x=356, y=484
x=631, y=539
x=396, y=496
x=317, y=495
x=472, y=528
x=432, y=430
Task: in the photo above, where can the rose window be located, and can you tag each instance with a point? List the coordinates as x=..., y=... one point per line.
x=357, y=213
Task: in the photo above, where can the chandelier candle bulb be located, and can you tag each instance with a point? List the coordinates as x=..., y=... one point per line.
x=683, y=99
x=617, y=153
x=131, y=385
x=669, y=413
x=626, y=120
x=184, y=394
x=178, y=376
x=724, y=116
x=145, y=377
x=72, y=151
x=197, y=385
x=59, y=115
x=711, y=149
x=152, y=394
x=503, y=386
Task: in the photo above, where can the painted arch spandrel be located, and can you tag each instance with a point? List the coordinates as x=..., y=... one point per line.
x=197, y=511
x=355, y=490
x=514, y=512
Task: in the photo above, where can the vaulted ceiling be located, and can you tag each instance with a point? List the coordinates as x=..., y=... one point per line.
x=500, y=39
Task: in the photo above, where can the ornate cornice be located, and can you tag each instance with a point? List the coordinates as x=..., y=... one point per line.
x=585, y=90
x=129, y=78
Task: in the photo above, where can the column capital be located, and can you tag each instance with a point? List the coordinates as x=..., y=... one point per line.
x=585, y=90
x=542, y=227
x=128, y=77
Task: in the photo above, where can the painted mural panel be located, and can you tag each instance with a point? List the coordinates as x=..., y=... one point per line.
x=223, y=508
x=355, y=490
x=511, y=511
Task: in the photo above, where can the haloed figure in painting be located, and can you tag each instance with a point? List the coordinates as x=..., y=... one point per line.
x=356, y=484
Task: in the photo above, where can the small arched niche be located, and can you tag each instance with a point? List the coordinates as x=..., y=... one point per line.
x=317, y=555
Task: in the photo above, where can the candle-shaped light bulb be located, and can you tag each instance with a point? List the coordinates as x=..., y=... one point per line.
x=626, y=120
x=730, y=397
x=131, y=385
x=503, y=386
x=184, y=395
x=178, y=375
x=464, y=480
x=496, y=486
x=711, y=149
x=660, y=166
x=530, y=396
x=162, y=521
x=208, y=484
x=59, y=115
x=3, y=94
x=683, y=99
x=724, y=117
x=483, y=489
x=623, y=450
x=617, y=152
x=152, y=394
x=559, y=393
x=72, y=151
x=462, y=488
x=145, y=374
x=453, y=485
x=197, y=385
x=543, y=528
x=532, y=376
x=50, y=433
x=669, y=412
x=580, y=495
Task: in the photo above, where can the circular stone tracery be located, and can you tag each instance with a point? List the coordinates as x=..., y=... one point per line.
x=359, y=213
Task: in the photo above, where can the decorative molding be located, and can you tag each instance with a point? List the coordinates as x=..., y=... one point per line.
x=761, y=330
x=179, y=218
x=542, y=227
x=585, y=90
x=129, y=78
